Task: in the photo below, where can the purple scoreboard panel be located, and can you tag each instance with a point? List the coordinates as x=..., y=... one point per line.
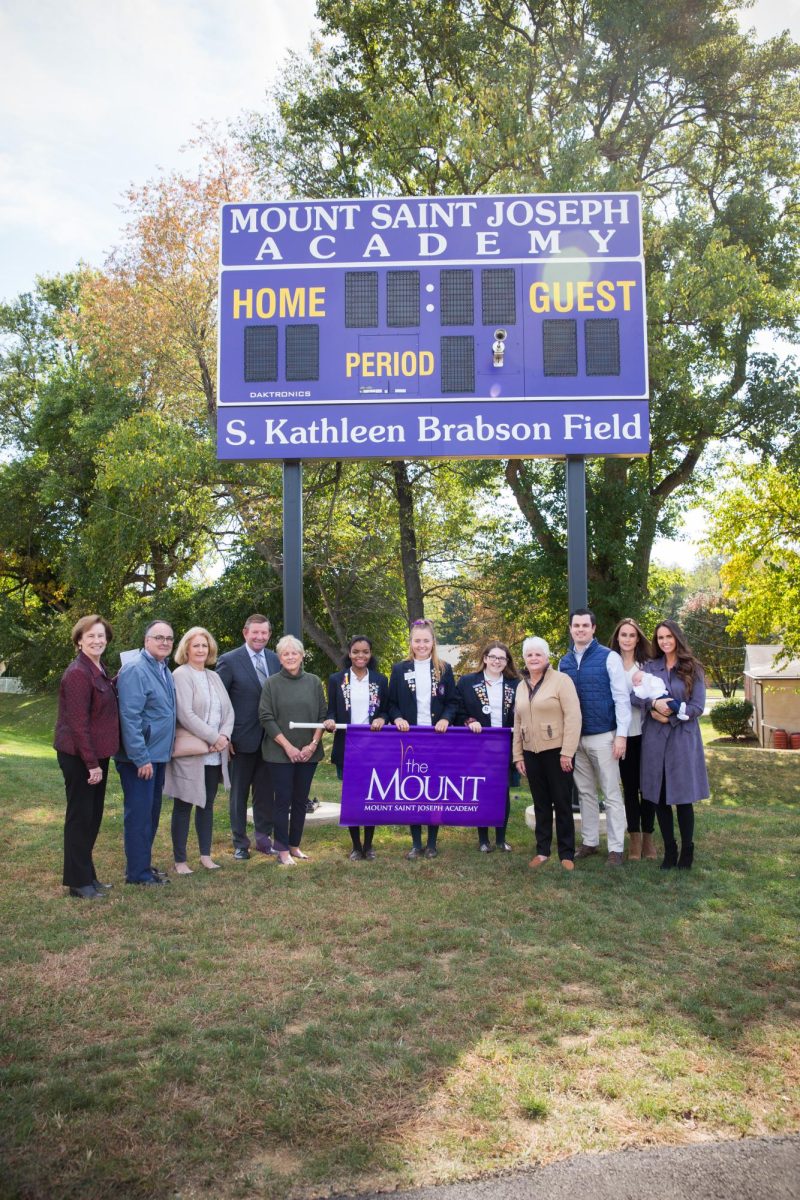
x=479, y=326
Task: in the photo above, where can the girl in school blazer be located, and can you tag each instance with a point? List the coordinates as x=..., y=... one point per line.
x=487, y=699
x=357, y=695
x=422, y=691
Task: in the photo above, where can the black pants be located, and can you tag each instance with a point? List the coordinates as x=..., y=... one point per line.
x=500, y=831
x=85, y=803
x=355, y=830
x=551, y=789
x=640, y=814
x=667, y=825
x=248, y=769
x=292, y=783
x=416, y=836
x=203, y=818
x=355, y=836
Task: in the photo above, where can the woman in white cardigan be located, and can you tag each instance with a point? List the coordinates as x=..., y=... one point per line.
x=202, y=741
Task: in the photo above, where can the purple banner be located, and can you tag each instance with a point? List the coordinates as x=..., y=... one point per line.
x=475, y=430
x=425, y=778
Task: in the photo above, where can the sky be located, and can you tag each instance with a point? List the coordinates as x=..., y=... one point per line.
x=96, y=95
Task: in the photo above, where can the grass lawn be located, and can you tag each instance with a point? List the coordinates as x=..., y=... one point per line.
x=255, y=1032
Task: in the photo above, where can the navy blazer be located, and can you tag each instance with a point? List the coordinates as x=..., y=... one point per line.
x=243, y=685
x=146, y=697
x=339, y=705
x=403, y=700
x=471, y=703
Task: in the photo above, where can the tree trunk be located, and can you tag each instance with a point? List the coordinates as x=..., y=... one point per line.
x=317, y=634
x=415, y=604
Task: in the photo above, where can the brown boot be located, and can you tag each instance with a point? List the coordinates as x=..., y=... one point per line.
x=648, y=846
x=634, y=846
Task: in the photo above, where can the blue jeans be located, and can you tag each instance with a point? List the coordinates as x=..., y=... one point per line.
x=142, y=810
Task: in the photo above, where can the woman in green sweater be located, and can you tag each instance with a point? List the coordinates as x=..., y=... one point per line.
x=292, y=754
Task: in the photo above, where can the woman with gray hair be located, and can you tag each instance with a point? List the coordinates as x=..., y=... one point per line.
x=547, y=726
x=291, y=696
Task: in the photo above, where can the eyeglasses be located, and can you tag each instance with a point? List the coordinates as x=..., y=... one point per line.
x=497, y=658
x=160, y=637
x=426, y=624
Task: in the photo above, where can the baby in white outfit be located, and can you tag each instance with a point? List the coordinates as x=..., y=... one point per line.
x=650, y=687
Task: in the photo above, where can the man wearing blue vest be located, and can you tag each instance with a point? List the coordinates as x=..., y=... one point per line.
x=599, y=678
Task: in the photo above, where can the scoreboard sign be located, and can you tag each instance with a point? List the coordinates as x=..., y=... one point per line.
x=479, y=326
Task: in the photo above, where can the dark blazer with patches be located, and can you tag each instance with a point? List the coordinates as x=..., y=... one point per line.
x=237, y=672
x=471, y=705
x=339, y=707
x=403, y=700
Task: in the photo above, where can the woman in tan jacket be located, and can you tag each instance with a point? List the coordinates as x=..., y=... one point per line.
x=547, y=726
x=199, y=760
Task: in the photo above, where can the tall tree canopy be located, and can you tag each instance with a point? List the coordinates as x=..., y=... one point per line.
x=462, y=96
x=756, y=527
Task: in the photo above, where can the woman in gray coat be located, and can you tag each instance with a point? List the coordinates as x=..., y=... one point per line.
x=673, y=762
x=202, y=739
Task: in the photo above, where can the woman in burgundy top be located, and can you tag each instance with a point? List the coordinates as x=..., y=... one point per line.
x=87, y=734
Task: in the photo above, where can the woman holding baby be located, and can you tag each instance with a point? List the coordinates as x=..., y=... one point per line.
x=673, y=771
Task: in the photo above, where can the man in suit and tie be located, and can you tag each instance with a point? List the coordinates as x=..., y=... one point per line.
x=244, y=672
x=146, y=697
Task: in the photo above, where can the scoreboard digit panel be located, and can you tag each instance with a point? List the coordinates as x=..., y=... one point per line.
x=569, y=330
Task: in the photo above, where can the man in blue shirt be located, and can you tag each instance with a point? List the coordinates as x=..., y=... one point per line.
x=599, y=678
x=147, y=726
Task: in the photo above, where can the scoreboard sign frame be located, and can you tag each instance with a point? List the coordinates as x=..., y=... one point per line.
x=475, y=326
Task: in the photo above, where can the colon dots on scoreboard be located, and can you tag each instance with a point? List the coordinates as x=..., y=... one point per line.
x=456, y=308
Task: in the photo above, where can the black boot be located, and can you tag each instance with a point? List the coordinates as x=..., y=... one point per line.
x=670, y=856
x=687, y=857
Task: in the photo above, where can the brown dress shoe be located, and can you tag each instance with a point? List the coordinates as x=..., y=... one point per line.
x=615, y=859
x=585, y=851
x=568, y=864
x=538, y=861
x=634, y=846
x=649, y=846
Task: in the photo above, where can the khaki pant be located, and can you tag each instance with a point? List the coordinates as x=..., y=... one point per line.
x=596, y=768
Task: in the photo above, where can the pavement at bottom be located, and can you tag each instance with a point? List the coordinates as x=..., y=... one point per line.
x=751, y=1169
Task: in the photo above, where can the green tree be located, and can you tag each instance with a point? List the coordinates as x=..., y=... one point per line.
x=376, y=534
x=55, y=408
x=462, y=96
x=756, y=528
x=706, y=618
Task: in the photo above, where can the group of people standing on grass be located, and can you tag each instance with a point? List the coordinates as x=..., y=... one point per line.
x=620, y=720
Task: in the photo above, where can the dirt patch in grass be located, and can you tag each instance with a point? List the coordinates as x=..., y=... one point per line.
x=38, y=816
x=578, y=993
x=59, y=973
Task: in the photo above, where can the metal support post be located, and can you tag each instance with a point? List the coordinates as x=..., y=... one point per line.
x=577, y=571
x=293, y=547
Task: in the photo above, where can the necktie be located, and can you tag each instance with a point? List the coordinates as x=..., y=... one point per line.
x=261, y=670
